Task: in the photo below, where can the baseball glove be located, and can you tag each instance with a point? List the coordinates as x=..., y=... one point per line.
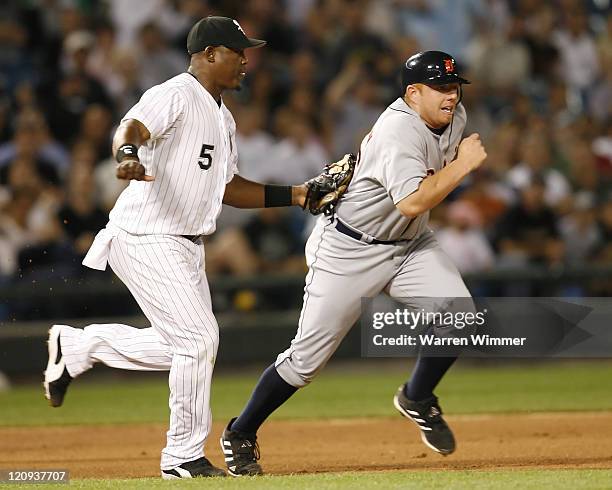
x=326, y=189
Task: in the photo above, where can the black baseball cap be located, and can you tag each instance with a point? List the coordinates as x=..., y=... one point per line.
x=219, y=31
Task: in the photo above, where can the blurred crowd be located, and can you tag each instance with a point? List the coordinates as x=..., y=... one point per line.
x=541, y=98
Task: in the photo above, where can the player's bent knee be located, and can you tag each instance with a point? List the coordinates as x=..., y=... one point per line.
x=199, y=347
x=295, y=375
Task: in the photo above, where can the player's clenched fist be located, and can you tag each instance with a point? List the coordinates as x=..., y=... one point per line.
x=130, y=169
x=472, y=152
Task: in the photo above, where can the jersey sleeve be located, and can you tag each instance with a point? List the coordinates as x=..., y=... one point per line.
x=158, y=109
x=232, y=161
x=403, y=166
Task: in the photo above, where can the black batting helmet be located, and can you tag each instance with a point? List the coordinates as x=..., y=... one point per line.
x=430, y=68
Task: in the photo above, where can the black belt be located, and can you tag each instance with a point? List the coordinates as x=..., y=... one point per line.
x=193, y=238
x=342, y=228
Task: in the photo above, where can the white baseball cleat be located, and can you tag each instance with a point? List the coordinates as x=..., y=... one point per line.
x=56, y=375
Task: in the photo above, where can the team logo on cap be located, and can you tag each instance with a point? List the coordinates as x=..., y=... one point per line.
x=238, y=26
x=449, y=66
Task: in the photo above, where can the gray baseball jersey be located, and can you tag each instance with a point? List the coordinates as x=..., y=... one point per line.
x=394, y=158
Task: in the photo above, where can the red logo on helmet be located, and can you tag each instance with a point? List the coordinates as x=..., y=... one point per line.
x=449, y=66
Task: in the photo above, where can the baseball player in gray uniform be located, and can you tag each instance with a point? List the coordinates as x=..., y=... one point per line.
x=377, y=242
x=177, y=146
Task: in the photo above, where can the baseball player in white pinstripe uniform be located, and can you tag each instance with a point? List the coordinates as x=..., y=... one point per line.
x=177, y=146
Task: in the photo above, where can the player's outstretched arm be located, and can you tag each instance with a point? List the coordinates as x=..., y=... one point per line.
x=129, y=136
x=435, y=188
x=246, y=194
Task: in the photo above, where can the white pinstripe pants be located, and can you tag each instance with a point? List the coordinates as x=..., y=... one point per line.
x=163, y=274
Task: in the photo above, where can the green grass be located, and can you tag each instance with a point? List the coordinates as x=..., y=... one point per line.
x=358, y=392
x=422, y=480
x=362, y=389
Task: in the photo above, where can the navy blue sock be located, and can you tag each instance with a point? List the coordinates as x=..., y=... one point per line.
x=269, y=394
x=426, y=375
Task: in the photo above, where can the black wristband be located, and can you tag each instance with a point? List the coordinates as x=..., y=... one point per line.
x=127, y=150
x=276, y=196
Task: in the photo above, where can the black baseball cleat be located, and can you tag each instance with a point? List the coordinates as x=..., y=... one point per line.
x=199, y=468
x=241, y=452
x=427, y=415
x=56, y=375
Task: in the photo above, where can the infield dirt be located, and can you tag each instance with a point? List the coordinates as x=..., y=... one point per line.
x=540, y=440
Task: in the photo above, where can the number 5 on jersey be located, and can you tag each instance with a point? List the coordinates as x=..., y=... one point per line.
x=205, y=158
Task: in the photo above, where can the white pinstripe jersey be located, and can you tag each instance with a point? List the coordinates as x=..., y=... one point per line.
x=192, y=155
